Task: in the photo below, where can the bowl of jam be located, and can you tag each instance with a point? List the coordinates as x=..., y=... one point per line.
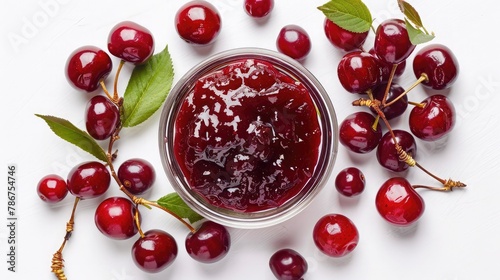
x=248, y=137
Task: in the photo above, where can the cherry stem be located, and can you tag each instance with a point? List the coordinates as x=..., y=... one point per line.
x=137, y=222
x=57, y=259
x=103, y=85
x=448, y=186
x=416, y=104
x=375, y=123
x=442, y=181
x=115, y=84
x=421, y=79
x=403, y=156
x=389, y=82
x=370, y=94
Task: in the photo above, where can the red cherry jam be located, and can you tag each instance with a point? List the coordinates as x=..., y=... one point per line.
x=247, y=136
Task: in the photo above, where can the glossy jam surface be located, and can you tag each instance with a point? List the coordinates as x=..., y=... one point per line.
x=247, y=136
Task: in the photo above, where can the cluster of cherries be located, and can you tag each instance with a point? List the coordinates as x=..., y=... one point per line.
x=367, y=73
x=372, y=75
x=118, y=217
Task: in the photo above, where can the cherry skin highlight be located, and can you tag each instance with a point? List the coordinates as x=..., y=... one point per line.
x=335, y=235
x=398, y=202
x=435, y=120
x=358, y=72
x=439, y=64
x=52, y=188
x=293, y=41
x=392, y=43
x=210, y=243
x=350, y=181
x=258, y=8
x=343, y=39
x=114, y=217
x=357, y=134
x=131, y=42
x=155, y=251
x=198, y=22
x=288, y=264
x=101, y=117
x=86, y=67
x=88, y=180
x=137, y=175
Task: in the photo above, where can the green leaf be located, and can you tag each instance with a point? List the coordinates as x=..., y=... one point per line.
x=69, y=132
x=351, y=15
x=417, y=36
x=410, y=13
x=147, y=88
x=174, y=203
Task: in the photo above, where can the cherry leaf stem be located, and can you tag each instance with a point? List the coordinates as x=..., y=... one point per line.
x=421, y=79
x=57, y=266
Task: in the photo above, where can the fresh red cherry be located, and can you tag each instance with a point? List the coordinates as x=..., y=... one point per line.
x=114, y=217
x=155, y=251
x=131, y=42
x=198, y=22
x=435, y=120
x=358, y=72
x=209, y=243
x=288, y=264
x=439, y=64
x=137, y=175
x=397, y=108
x=88, y=180
x=101, y=117
x=386, y=67
x=392, y=43
x=343, y=39
x=258, y=8
x=398, y=202
x=335, y=235
x=350, y=181
x=293, y=41
x=387, y=155
x=357, y=134
x=52, y=188
x=87, y=66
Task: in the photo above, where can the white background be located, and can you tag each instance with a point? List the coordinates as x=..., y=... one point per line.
x=457, y=238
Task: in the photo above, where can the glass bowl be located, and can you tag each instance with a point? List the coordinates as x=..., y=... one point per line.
x=327, y=151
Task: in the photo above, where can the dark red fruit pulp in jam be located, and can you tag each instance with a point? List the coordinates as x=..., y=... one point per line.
x=247, y=136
